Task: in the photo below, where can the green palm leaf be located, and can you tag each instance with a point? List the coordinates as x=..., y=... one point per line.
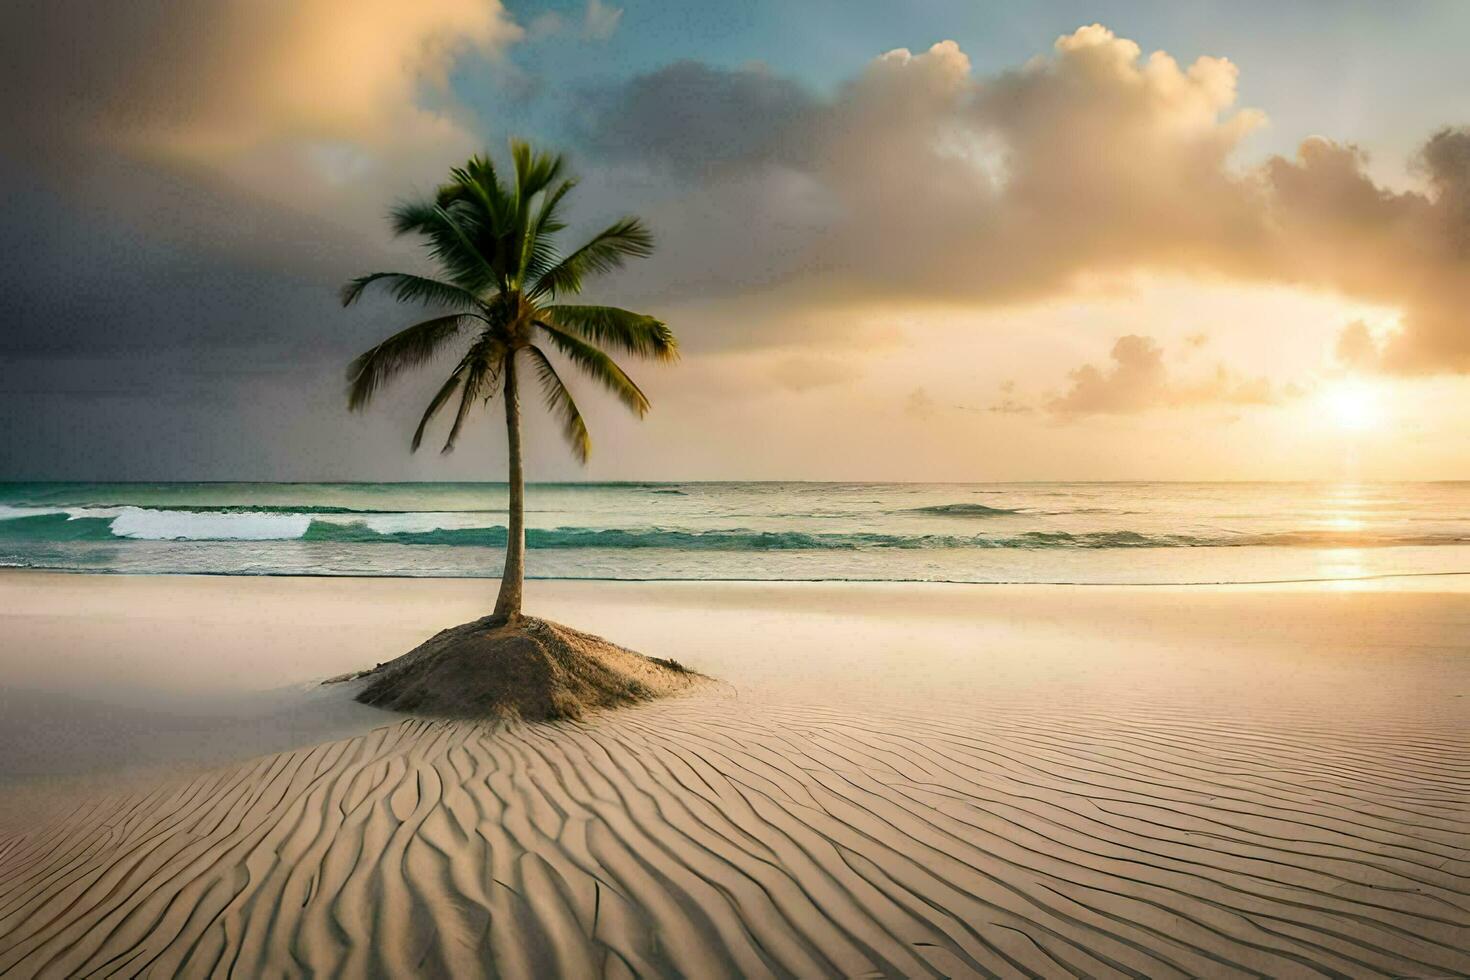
x=476, y=181
x=608, y=326
x=597, y=365
x=492, y=237
x=451, y=234
x=559, y=402
x=607, y=250
x=440, y=397
x=408, y=288
x=405, y=349
x=534, y=171
x=483, y=365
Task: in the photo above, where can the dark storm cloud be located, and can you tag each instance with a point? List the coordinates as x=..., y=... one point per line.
x=135, y=260
x=186, y=185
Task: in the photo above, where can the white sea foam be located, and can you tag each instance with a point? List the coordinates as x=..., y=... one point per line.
x=174, y=525
x=142, y=523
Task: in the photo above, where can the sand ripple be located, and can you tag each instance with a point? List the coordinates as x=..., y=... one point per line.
x=712, y=837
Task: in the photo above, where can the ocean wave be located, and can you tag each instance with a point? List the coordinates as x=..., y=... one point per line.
x=103, y=509
x=436, y=529
x=983, y=510
x=242, y=508
x=100, y=523
x=52, y=526
x=609, y=538
x=964, y=510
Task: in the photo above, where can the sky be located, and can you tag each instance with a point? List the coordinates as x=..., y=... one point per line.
x=932, y=241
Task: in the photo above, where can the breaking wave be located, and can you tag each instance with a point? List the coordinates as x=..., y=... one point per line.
x=439, y=529
x=965, y=510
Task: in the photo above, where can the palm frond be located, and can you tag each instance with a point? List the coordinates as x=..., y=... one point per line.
x=437, y=402
x=598, y=366
x=492, y=237
x=406, y=349
x=623, y=239
x=481, y=380
x=477, y=175
x=474, y=375
x=534, y=171
x=544, y=254
x=477, y=190
x=450, y=242
x=609, y=326
x=408, y=288
x=548, y=218
x=559, y=402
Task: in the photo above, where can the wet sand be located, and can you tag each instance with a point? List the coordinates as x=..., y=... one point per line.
x=891, y=780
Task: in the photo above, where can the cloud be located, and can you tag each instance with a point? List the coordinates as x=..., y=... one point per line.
x=920, y=404
x=1009, y=403
x=1409, y=250
x=1356, y=346
x=919, y=179
x=322, y=107
x=186, y=183
x=601, y=20
x=1137, y=380
x=221, y=76
x=803, y=372
x=690, y=120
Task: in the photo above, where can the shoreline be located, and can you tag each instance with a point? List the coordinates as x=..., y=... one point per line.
x=1385, y=577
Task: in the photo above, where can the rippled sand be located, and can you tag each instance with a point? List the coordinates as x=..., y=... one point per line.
x=892, y=781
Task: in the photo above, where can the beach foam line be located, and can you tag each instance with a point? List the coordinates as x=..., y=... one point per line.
x=711, y=837
x=40, y=566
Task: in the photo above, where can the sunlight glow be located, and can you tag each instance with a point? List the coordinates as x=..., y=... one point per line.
x=1352, y=405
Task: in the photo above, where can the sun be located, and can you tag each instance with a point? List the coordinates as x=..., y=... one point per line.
x=1352, y=405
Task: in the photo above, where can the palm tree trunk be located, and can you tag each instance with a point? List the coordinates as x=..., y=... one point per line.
x=508, y=604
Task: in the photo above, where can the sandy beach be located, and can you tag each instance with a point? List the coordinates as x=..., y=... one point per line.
x=888, y=780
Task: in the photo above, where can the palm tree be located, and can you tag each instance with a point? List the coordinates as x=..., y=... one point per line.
x=500, y=277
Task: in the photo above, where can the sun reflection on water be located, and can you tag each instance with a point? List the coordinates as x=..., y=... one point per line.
x=1348, y=567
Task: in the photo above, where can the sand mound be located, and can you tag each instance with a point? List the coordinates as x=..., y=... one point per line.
x=527, y=668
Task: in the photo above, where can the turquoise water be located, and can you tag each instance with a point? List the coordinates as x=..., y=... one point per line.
x=1032, y=532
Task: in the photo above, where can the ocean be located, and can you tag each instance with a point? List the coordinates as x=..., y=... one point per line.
x=1088, y=533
